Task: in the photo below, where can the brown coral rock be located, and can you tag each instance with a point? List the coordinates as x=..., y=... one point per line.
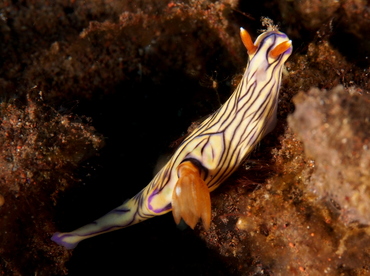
x=334, y=127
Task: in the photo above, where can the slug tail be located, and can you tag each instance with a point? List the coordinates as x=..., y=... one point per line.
x=123, y=216
x=67, y=240
x=191, y=198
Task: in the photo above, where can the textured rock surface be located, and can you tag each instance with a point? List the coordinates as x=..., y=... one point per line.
x=334, y=127
x=73, y=72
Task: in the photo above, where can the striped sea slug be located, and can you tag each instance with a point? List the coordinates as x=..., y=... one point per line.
x=211, y=152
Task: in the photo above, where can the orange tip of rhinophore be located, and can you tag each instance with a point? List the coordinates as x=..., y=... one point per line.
x=247, y=41
x=281, y=48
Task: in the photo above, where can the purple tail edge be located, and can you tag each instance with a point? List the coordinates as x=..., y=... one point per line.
x=59, y=239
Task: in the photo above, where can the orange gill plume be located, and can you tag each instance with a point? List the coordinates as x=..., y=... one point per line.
x=191, y=199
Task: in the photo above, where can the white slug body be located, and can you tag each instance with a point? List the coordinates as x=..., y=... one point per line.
x=211, y=152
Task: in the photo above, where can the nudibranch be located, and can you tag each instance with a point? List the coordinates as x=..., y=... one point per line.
x=210, y=153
